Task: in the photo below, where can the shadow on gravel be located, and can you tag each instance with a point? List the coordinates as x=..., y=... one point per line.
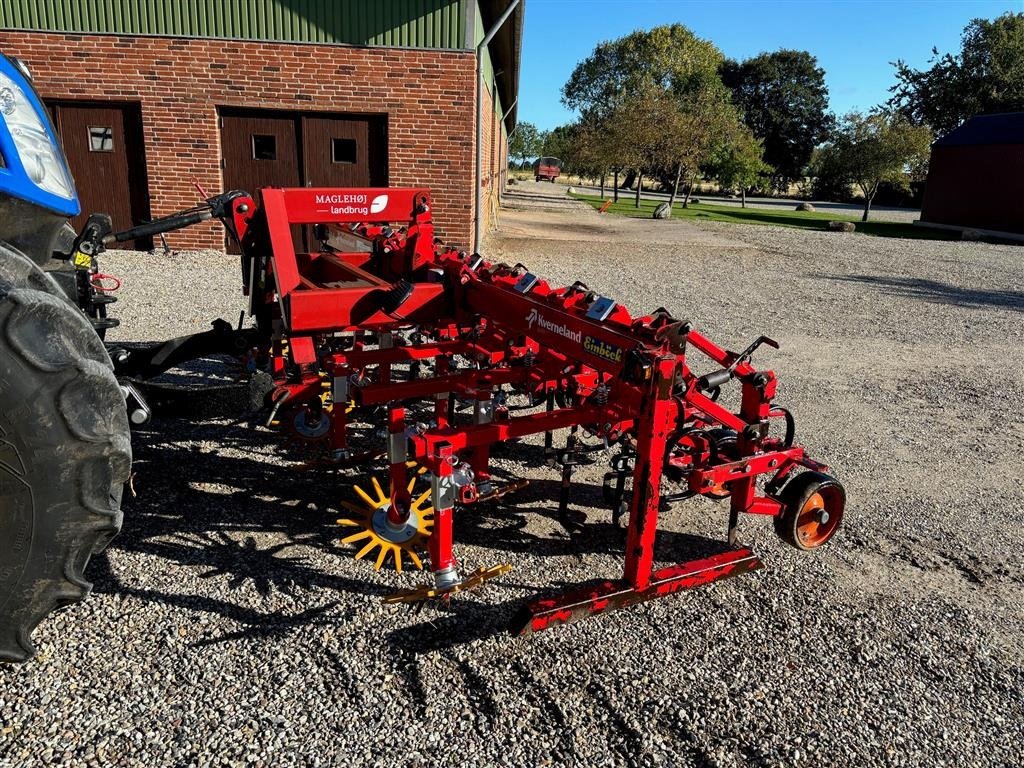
x=933, y=290
x=222, y=500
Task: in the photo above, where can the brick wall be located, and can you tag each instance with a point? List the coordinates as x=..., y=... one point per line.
x=428, y=96
x=495, y=158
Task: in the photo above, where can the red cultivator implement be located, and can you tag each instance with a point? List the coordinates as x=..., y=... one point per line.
x=380, y=325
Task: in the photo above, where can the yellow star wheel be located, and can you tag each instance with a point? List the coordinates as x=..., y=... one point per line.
x=377, y=533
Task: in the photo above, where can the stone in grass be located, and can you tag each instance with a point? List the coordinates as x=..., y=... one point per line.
x=571, y=191
x=694, y=201
x=806, y=207
x=663, y=211
x=842, y=226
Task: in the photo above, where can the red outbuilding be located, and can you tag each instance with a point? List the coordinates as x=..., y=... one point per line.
x=976, y=177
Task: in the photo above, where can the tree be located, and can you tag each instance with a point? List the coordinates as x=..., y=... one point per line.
x=656, y=132
x=784, y=101
x=828, y=180
x=880, y=147
x=628, y=142
x=708, y=125
x=657, y=97
x=986, y=76
x=580, y=148
x=669, y=56
x=741, y=164
x=558, y=142
x=526, y=141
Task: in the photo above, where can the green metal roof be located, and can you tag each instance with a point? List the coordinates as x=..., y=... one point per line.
x=405, y=23
x=440, y=24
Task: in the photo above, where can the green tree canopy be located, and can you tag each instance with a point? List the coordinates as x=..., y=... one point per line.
x=986, y=76
x=740, y=163
x=671, y=57
x=525, y=142
x=558, y=142
x=870, y=149
x=654, y=131
x=784, y=101
x=654, y=100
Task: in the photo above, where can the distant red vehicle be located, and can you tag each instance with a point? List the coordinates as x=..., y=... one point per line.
x=547, y=168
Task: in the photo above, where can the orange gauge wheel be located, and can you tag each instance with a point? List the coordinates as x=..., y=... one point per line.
x=813, y=509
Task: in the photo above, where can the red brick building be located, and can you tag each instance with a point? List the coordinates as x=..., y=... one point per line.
x=150, y=102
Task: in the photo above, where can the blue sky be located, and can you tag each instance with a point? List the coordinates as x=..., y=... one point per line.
x=854, y=40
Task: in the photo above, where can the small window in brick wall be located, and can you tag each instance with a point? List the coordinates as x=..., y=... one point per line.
x=101, y=138
x=343, y=151
x=264, y=147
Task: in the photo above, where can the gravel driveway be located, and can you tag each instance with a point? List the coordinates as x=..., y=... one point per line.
x=228, y=628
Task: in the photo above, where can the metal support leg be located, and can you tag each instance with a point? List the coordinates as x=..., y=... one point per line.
x=339, y=414
x=572, y=522
x=385, y=340
x=397, y=469
x=479, y=458
x=549, y=437
x=656, y=419
x=442, y=399
x=442, y=558
x=742, y=498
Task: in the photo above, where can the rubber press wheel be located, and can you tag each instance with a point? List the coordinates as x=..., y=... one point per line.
x=813, y=505
x=65, y=450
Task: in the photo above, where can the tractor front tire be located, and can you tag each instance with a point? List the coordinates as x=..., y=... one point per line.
x=65, y=451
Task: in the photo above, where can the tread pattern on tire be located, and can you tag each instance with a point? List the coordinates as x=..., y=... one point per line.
x=49, y=337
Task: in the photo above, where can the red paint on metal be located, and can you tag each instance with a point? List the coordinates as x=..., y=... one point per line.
x=616, y=375
x=612, y=595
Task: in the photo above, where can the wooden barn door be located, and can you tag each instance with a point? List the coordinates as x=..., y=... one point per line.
x=291, y=149
x=343, y=151
x=103, y=144
x=259, y=150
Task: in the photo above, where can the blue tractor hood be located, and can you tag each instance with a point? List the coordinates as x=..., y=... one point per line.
x=33, y=168
x=37, y=194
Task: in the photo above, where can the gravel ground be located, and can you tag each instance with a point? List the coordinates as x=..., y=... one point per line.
x=228, y=628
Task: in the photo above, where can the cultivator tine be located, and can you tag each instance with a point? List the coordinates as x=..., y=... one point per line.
x=367, y=549
x=358, y=536
x=366, y=497
x=427, y=592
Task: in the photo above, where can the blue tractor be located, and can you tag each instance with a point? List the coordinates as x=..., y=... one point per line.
x=65, y=451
